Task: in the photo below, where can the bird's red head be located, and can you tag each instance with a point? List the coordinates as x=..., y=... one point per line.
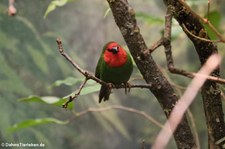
x=114, y=55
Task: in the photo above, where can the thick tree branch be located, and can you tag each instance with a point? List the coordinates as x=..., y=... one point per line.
x=184, y=102
x=191, y=22
x=124, y=17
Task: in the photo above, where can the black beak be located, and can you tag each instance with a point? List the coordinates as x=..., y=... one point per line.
x=114, y=50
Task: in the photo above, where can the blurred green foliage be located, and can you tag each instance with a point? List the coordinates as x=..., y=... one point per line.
x=215, y=18
x=35, y=79
x=33, y=122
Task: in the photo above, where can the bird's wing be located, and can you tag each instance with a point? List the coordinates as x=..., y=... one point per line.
x=97, y=70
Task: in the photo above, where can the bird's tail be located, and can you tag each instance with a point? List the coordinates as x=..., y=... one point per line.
x=104, y=93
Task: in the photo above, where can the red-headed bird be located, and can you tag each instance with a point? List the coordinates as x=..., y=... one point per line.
x=114, y=66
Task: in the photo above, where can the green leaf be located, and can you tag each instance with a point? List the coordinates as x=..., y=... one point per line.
x=149, y=19
x=56, y=3
x=34, y=122
x=38, y=58
x=45, y=99
x=215, y=20
x=53, y=5
x=87, y=90
x=70, y=81
x=90, y=89
x=52, y=100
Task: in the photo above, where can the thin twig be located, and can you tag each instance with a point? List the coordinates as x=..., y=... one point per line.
x=156, y=45
x=63, y=53
x=132, y=110
x=208, y=9
x=167, y=34
x=71, y=98
x=195, y=131
x=143, y=144
x=223, y=96
x=197, y=37
x=193, y=74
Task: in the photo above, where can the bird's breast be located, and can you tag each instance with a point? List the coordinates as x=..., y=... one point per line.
x=115, y=60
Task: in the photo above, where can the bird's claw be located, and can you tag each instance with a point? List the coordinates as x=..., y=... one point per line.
x=127, y=87
x=110, y=86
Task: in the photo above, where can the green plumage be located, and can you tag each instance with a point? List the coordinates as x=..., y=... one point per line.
x=114, y=75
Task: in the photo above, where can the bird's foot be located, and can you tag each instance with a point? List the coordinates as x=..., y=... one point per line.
x=110, y=86
x=127, y=87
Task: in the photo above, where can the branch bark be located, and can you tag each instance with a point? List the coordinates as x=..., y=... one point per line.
x=211, y=94
x=124, y=17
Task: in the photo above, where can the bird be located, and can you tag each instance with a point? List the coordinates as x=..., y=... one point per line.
x=114, y=66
